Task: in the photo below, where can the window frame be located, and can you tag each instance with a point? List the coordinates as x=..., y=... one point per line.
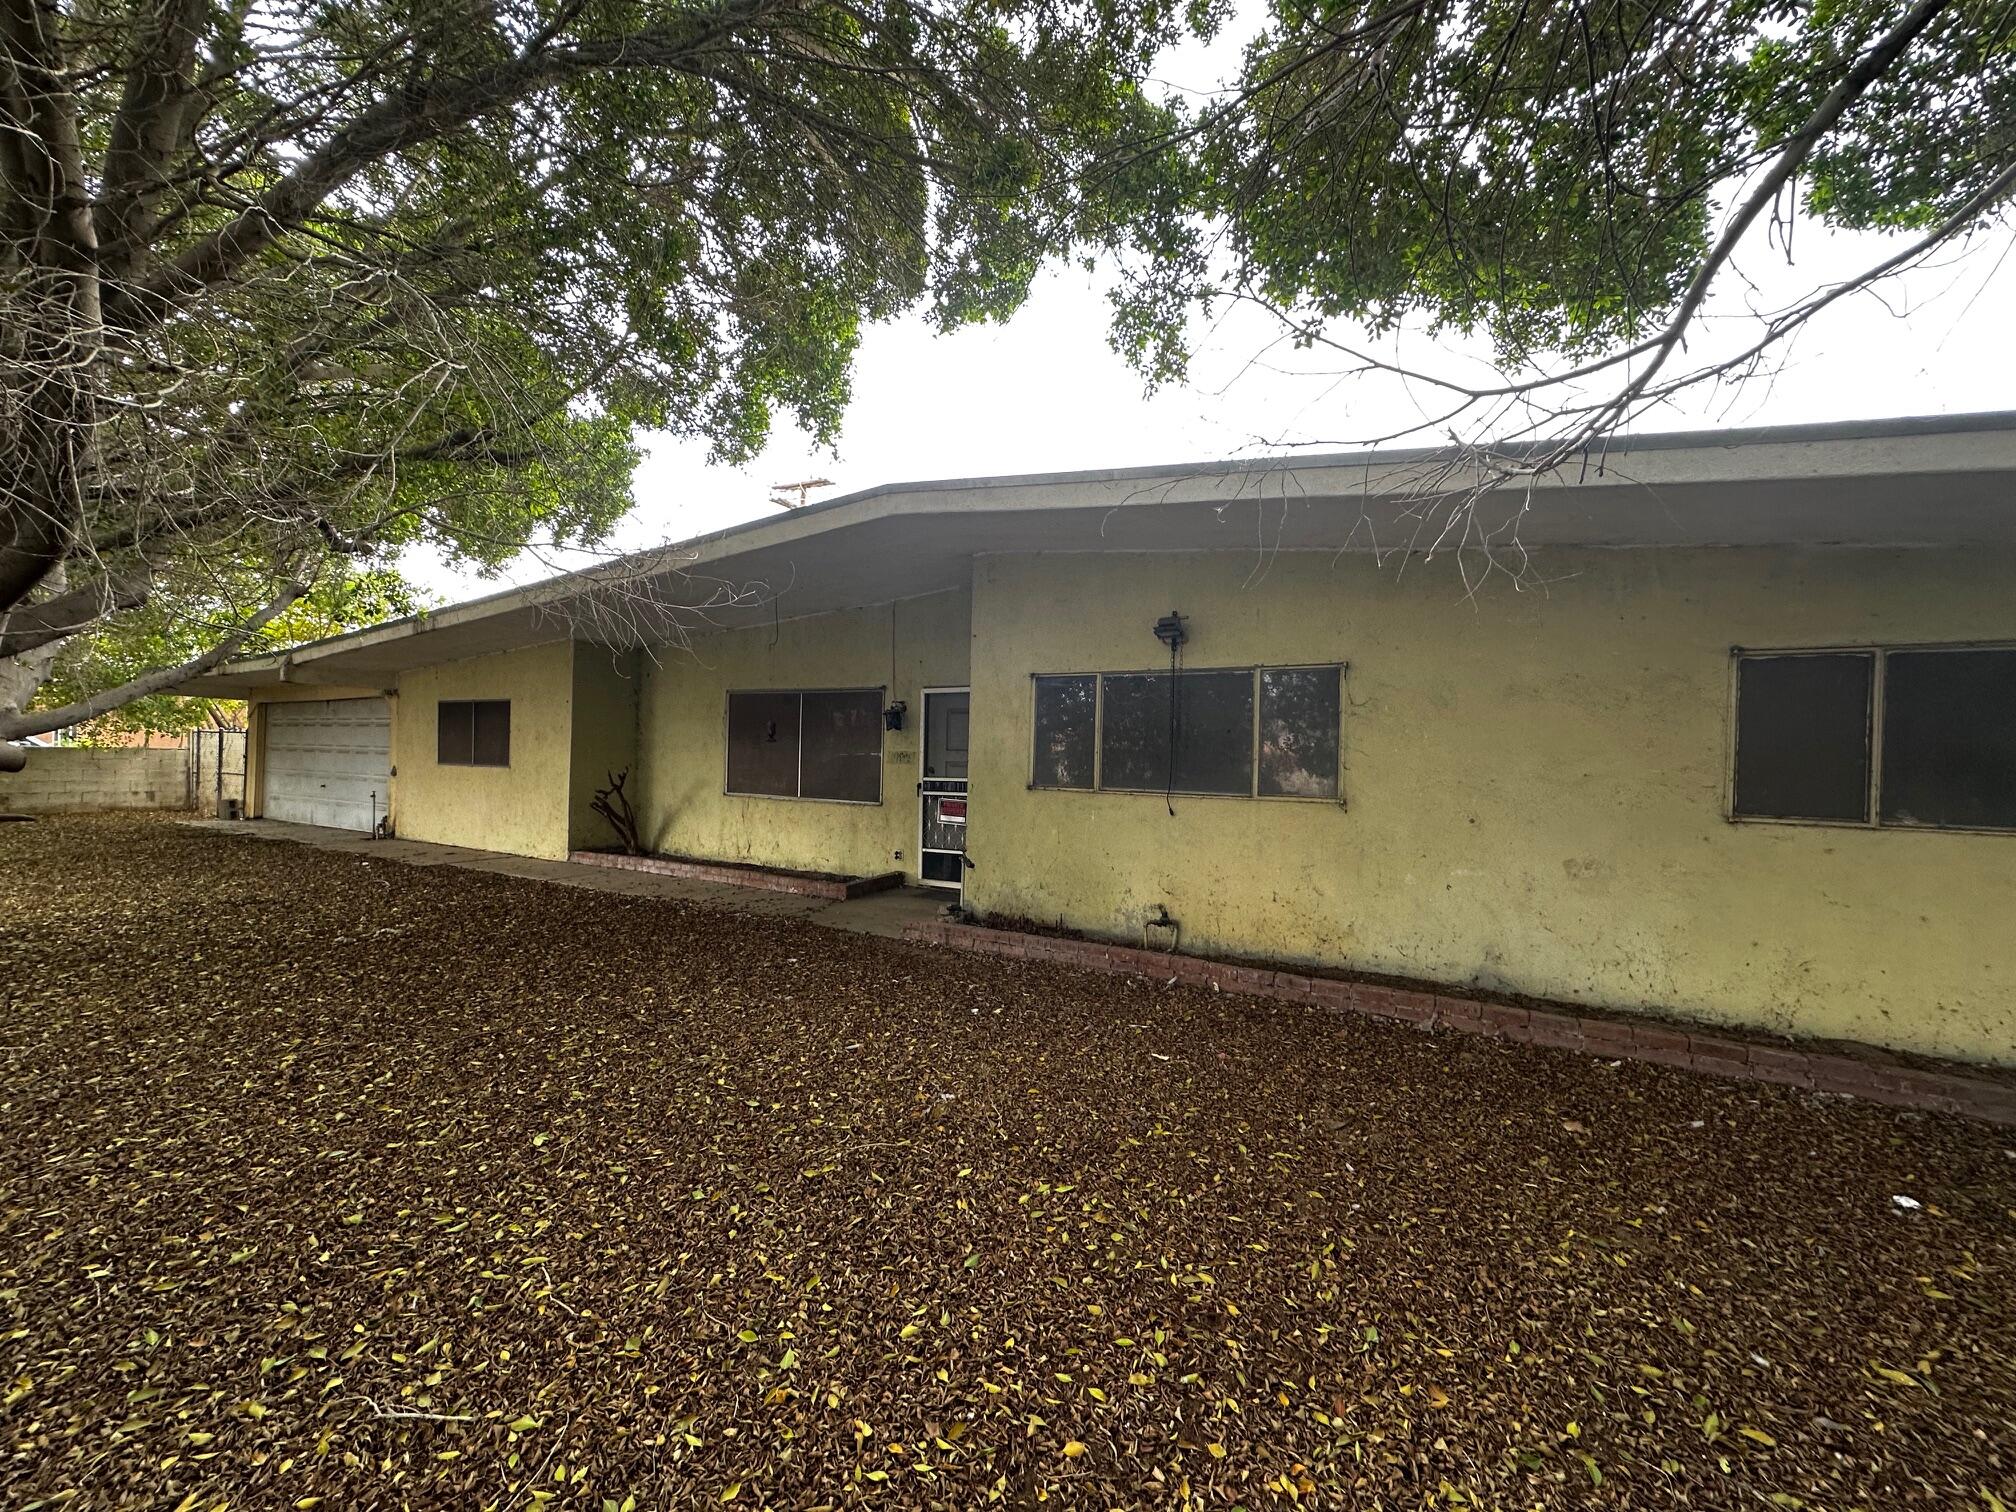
x=1098, y=729
x=881, y=692
x=1251, y=795
x=441, y=704
x=1880, y=651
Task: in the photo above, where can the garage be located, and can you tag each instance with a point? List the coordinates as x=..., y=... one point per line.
x=328, y=761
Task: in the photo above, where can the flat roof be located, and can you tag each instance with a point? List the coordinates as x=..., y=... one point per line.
x=1909, y=481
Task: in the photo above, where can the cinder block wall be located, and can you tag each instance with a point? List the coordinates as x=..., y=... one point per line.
x=71, y=778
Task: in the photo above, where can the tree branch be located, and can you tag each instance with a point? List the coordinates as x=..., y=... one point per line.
x=68, y=613
x=41, y=721
x=395, y=123
x=1791, y=156
x=146, y=132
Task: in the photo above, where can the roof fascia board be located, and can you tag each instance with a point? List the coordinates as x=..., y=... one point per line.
x=1908, y=447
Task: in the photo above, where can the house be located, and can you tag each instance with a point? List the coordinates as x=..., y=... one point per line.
x=1716, y=724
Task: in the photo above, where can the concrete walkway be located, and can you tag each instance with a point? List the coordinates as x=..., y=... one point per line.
x=883, y=913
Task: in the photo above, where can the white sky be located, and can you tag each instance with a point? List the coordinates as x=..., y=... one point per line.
x=1044, y=392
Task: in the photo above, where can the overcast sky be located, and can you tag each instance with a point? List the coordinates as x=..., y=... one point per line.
x=1044, y=392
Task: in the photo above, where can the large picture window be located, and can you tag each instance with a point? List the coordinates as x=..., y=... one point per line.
x=1266, y=732
x=1918, y=737
x=822, y=743
x=473, y=732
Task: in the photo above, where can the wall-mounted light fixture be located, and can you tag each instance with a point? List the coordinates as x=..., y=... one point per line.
x=892, y=717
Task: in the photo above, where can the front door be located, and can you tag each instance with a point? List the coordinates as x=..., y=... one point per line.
x=941, y=847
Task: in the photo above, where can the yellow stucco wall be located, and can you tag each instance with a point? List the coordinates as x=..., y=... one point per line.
x=682, y=740
x=522, y=808
x=1534, y=786
x=255, y=728
x=607, y=685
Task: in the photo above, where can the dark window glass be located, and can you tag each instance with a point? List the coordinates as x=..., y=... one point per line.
x=1300, y=708
x=1066, y=727
x=492, y=732
x=1210, y=729
x=1949, y=738
x=455, y=733
x=1802, y=736
x=763, y=744
x=473, y=732
x=843, y=746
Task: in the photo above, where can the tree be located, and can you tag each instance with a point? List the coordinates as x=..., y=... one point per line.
x=175, y=626
x=308, y=282
x=1570, y=180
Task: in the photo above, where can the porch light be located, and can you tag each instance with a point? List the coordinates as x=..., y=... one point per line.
x=892, y=717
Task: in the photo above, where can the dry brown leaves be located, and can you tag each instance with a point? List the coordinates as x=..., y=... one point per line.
x=326, y=1181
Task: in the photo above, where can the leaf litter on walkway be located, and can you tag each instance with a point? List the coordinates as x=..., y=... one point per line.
x=327, y=1181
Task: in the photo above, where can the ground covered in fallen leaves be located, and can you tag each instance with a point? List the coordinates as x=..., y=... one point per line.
x=326, y=1181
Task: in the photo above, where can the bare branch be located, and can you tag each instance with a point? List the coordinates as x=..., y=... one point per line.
x=41, y=721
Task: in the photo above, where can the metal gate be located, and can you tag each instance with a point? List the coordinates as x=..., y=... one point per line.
x=216, y=770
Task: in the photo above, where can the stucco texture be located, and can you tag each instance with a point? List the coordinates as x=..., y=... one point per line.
x=1533, y=786
x=606, y=690
x=682, y=742
x=522, y=808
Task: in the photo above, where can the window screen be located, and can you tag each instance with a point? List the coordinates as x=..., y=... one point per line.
x=1211, y=730
x=1300, y=711
x=763, y=744
x=1802, y=736
x=473, y=732
x=1066, y=727
x=842, y=746
x=455, y=733
x=492, y=732
x=1949, y=738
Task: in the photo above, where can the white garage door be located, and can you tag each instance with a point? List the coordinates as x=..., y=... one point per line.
x=329, y=761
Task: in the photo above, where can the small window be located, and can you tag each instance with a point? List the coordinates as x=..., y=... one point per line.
x=822, y=744
x=1067, y=723
x=1301, y=709
x=455, y=733
x=473, y=732
x=1802, y=736
x=1207, y=725
x=1949, y=738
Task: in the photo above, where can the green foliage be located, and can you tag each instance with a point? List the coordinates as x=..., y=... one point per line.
x=172, y=627
x=1551, y=175
x=378, y=274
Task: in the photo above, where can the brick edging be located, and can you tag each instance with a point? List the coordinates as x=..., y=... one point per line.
x=1664, y=1043
x=743, y=876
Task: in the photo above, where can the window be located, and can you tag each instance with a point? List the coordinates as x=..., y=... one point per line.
x=1301, y=712
x=473, y=732
x=1949, y=738
x=1802, y=736
x=1921, y=737
x=820, y=744
x=1206, y=730
x=843, y=747
x=1270, y=732
x=1066, y=728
